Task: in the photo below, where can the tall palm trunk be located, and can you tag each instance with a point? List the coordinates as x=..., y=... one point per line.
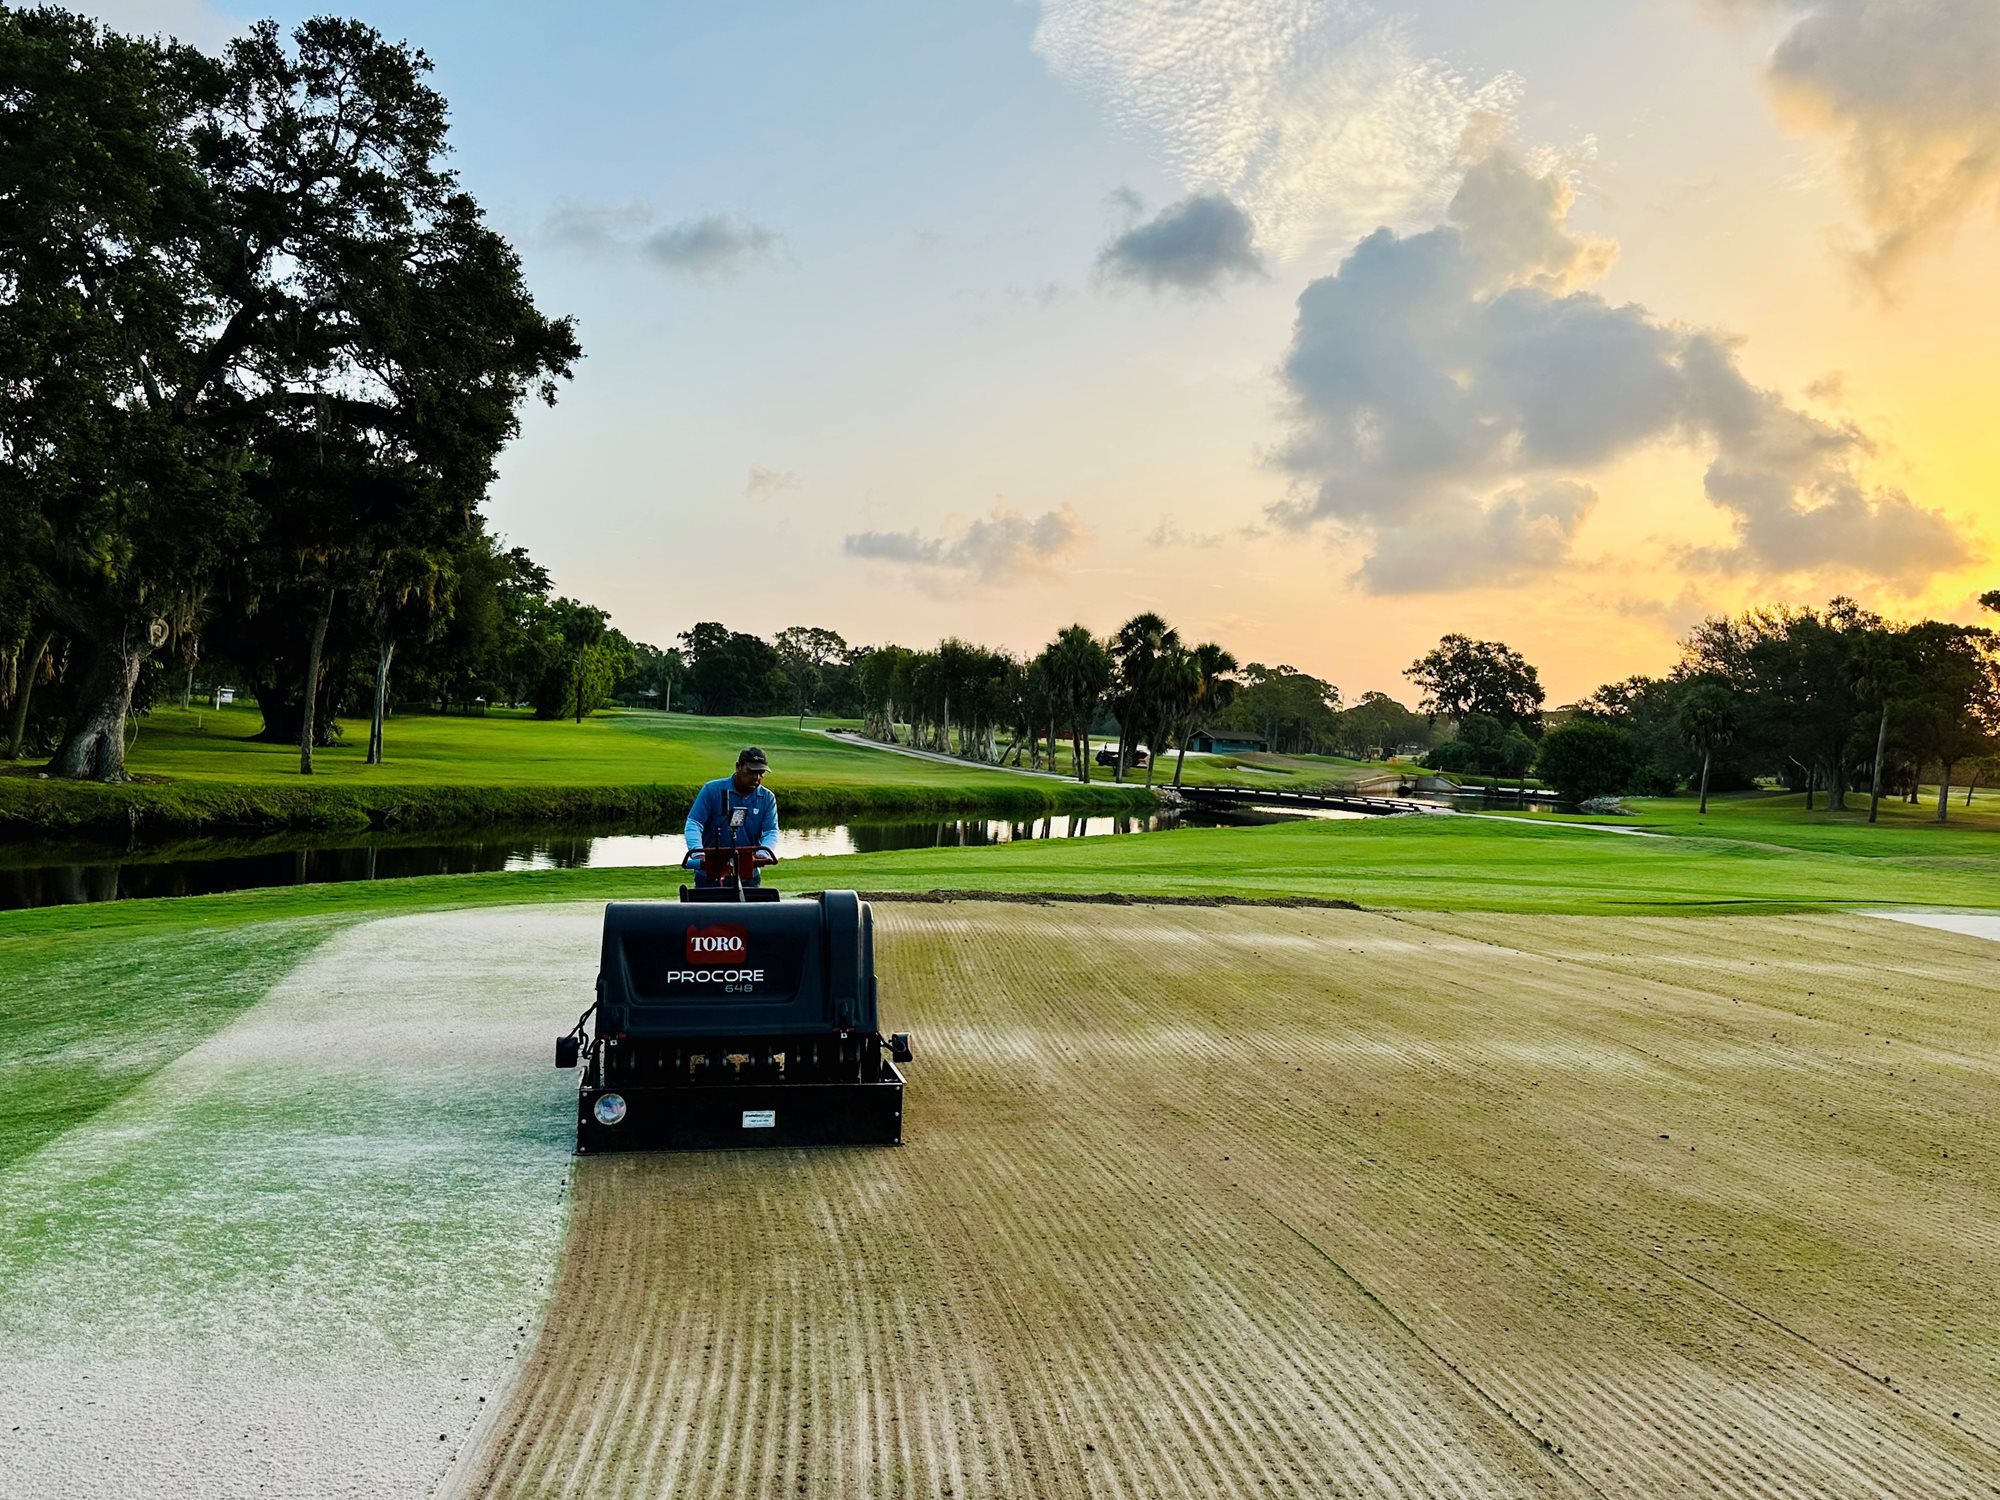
x=381, y=709
x=24, y=689
x=309, y=707
x=1881, y=746
x=1706, y=756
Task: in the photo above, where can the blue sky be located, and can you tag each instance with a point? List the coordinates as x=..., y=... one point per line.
x=865, y=347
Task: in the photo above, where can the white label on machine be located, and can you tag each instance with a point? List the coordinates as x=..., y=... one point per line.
x=759, y=1119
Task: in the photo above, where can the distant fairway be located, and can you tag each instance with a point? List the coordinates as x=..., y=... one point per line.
x=201, y=769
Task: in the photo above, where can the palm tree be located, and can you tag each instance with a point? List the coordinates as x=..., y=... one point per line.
x=1218, y=690
x=1707, y=719
x=1878, y=674
x=1174, y=691
x=1080, y=670
x=1140, y=643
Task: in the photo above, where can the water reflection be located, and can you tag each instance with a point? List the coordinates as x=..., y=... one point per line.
x=211, y=870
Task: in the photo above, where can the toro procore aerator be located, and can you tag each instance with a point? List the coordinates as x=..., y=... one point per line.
x=734, y=1018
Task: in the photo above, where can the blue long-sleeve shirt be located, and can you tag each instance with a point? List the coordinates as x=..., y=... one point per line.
x=716, y=804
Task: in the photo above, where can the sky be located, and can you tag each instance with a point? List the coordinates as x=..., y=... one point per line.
x=1322, y=327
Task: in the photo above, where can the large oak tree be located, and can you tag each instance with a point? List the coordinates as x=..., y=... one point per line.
x=252, y=325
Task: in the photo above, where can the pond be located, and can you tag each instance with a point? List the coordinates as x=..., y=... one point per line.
x=210, y=867
x=32, y=877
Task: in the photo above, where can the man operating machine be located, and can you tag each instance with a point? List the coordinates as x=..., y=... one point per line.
x=733, y=1016
x=735, y=812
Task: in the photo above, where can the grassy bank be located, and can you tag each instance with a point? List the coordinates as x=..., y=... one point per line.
x=201, y=772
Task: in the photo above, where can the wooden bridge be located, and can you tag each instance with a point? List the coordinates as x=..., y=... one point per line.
x=1279, y=797
x=1359, y=802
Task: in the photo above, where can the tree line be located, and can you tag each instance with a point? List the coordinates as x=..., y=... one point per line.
x=1830, y=702
x=260, y=352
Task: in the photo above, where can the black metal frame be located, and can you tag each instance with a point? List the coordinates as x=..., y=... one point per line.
x=708, y=1116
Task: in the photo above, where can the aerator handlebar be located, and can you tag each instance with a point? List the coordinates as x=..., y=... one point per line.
x=729, y=866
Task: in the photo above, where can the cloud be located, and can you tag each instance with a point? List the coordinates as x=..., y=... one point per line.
x=765, y=483
x=1001, y=547
x=1166, y=534
x=715, y=246
x=1909, y=90
x=1523, y=532
x=596, y=228
x=1194, y=246
x=719, y=245
x=1316, y=117
x=1514, y=225
x=1454, y=382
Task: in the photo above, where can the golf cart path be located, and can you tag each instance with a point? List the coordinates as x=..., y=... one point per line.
x=1229, y=1201
x=849, y=737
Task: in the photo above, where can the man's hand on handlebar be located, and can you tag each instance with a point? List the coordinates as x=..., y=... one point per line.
x=729, y=867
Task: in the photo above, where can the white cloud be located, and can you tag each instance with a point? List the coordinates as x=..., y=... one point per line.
x=1317, y=117
x=1911, y=89
x=719, y=245
x=1193, y=246
x=1001, y=547
x=765, y=483
x=1433, y=369
x=1167, y=534
x=1523, y=532
x=597, y=228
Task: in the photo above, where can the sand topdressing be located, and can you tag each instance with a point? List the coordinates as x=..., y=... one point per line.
x=295, y=1261
x=1195, y=1202
x=1316, y=1203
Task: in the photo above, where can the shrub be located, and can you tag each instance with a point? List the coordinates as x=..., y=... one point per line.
x=1588, y=758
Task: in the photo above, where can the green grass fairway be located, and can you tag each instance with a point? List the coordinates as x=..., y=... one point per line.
x=201, y=769
x=1780, y=818
x=512, y=748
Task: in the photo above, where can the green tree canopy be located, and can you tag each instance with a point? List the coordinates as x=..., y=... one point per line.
x=1587, y=758
x=1460, y=676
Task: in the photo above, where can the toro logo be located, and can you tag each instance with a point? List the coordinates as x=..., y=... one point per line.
x=717, y=943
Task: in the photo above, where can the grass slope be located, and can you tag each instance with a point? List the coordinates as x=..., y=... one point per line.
x=201, y=770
